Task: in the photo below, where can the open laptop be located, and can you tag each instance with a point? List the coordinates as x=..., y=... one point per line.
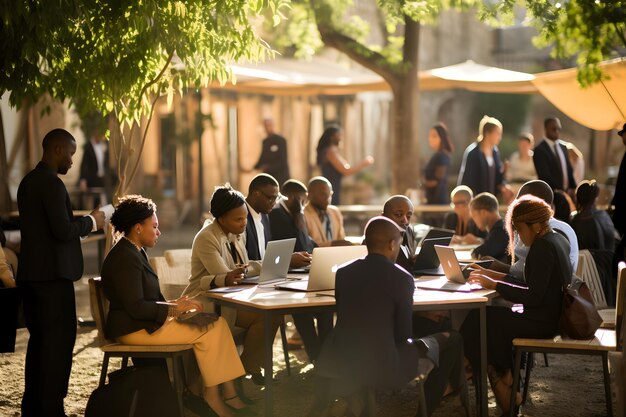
x=436, y=232
x=275, y=262
x=427, y=262
x=324, y=265
x=455, y=276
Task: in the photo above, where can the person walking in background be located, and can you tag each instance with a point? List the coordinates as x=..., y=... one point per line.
x=481, y=169
x=51, y=259
x=333, y=166
x=520, y=167
x=274, y=158
x=550, y=158
x=436, y=172
x=460, y=220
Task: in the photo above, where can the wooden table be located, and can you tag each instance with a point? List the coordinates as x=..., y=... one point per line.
x=270, y=302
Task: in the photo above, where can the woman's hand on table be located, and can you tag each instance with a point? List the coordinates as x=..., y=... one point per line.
x=478, y=277
x=235, y=276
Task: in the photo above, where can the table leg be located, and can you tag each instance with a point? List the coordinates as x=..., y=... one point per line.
x=268, y=363
x=484, y=411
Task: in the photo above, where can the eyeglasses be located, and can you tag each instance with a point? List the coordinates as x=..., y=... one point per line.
x=271, y=198
x=459, y=203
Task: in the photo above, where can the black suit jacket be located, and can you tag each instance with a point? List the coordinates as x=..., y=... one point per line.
x=273, y=158
x=475, y=170
x=283, y=227
x=368, y=346
x=89, y=166
x=252, y=241
x=132, y=288
x=50, y=246
x=547, y=168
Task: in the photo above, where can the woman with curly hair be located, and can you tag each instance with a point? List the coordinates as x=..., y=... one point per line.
x=138, y=316
x=547, y=268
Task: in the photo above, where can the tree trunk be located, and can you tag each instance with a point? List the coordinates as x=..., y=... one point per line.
x=405, y=152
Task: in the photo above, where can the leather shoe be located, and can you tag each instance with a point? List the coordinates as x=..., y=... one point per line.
x=258, y=379
x=198, y=405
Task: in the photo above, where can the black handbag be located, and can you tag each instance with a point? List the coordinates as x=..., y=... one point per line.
x=579, y=316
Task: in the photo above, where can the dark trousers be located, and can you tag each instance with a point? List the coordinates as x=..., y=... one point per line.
x=306, y=327
x=50, y=313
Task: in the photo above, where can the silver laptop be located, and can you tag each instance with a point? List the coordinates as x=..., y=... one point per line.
x=324, y=265
x=455, y=276
x=275, y=262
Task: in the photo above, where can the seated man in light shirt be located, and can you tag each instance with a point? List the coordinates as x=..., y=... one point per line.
x=323, y=220
x=542, y=190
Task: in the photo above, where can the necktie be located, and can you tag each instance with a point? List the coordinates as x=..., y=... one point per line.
x=329, y=229
x=235, y=254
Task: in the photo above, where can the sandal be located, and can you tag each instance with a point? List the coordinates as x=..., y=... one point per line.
x=501, y=387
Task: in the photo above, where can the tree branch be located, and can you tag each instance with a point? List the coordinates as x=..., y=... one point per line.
x=143, y=139
x=348, y=45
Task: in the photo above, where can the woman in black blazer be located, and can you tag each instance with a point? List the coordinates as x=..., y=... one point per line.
x=137, y=318
x=547, y=268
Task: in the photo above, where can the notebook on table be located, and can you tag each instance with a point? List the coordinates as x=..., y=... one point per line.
x=324, y=265
x=275, y=262
x=455, y=276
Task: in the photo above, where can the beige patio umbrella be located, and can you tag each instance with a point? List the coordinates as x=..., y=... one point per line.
x=601, y=106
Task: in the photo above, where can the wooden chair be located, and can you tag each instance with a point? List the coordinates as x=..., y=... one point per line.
x=173, y=354
x=174, y=269
x=605, y=341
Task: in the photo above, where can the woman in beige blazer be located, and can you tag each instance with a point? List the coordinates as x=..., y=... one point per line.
x=218, y=259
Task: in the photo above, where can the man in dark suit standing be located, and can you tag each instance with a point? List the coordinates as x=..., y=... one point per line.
x=550, y=158
x=51, y=259
x=273, y=159
x=95, y=170
x=619, y=204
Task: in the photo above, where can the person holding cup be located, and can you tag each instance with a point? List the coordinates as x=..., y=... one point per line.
x=219, y=259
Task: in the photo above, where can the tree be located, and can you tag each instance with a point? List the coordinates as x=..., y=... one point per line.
x=118, y=57
x=590, y=30
x=313, y=23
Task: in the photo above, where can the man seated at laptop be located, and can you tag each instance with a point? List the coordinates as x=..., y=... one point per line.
x=262, y=195
x=460, y=220
x=484, y=212
x=400, y=209
x=287, y=221
x=542, y=190
x=371, y=345
x=323, y=220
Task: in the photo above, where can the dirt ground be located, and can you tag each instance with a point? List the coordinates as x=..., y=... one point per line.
x=570, y=387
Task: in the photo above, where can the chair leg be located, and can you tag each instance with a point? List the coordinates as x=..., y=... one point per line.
x=607, y=384
x=125, y=362
x=103, y=371
x=530, y=362
x=421, y=406
x=283, y=336
x=476, y=381
x=545, y=359
x=177, y=383
x=515, y=386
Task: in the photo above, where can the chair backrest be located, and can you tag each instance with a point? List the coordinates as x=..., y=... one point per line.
x=588, y=272
x=173, y=270
x=99, y=309
x=620, y=300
